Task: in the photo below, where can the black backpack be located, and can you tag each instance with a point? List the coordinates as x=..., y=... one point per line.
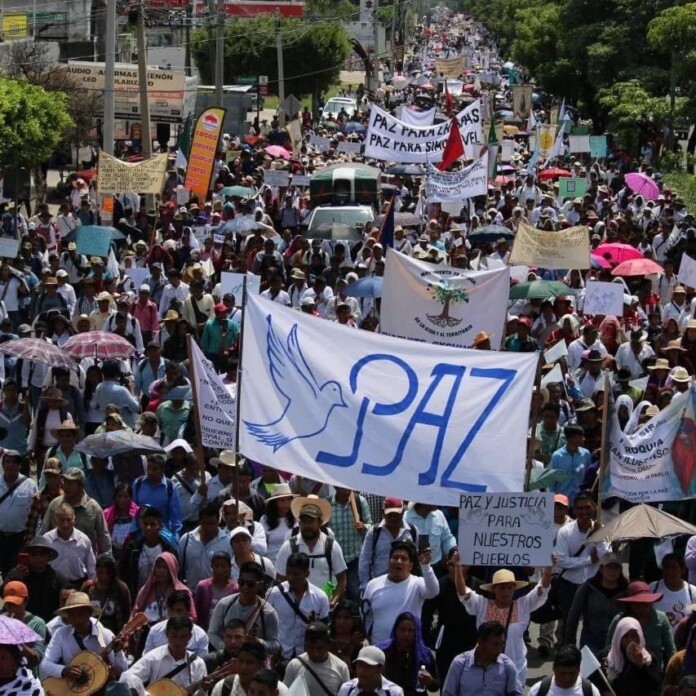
x=545, y=687
x=328, y=549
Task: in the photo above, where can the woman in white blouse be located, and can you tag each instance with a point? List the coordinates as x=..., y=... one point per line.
x=278, y=520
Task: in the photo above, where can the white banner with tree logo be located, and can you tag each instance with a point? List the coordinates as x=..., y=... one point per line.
x=441, y=304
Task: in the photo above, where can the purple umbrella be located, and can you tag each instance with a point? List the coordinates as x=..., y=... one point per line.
x=641, y=184
x=14, y=632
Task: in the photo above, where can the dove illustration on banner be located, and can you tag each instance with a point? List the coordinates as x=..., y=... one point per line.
x=309, y=404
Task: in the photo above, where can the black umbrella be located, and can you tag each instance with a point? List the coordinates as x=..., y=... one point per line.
x=490, y=234
x=406, y=170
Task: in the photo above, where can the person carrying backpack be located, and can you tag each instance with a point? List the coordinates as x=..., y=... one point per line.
x=566, y=677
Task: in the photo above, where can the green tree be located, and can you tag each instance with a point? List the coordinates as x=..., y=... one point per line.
x=313, y=53
x=447, y=294
x=32, y=123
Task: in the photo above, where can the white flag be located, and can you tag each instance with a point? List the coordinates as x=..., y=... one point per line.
x=215, y=403
x=557, y=149
x=298, y=688
x=589, y=663
x=379, y=414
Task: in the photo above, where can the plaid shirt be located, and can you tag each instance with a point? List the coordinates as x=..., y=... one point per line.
x=37, y=510
x=343, y=526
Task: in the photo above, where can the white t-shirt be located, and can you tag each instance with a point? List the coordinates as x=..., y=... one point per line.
x=575, y=690
x=674, y=604
x=318, y=564
x=146, y=562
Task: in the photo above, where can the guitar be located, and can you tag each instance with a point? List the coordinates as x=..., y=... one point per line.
x=168, y=687
x=93, y=666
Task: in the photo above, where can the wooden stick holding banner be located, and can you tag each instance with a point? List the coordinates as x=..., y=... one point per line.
x=536, y=410
x=354, y=507
x=238, y=386
x=604, y=451
x=200, y=453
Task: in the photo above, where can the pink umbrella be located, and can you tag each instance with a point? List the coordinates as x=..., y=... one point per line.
x=637, y=267
x=617, y=252
x=642, y=184
x=278, y=151
x=15, y=632
x=599, y=261
x=100, y=345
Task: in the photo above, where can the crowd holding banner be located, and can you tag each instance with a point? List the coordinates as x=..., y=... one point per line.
x=458, y=440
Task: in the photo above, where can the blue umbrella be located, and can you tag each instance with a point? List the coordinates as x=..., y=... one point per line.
x=180, y=393
x=116, y=235
x=353, y=127
x=105, y=445
x=365, y=287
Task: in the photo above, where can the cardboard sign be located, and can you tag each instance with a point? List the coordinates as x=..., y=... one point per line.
x=318, y=143
x=115, y=176
x=138, y=275
x=276, y=177
x=602, y=298
x=93, y=240
x=598, y=146
x=9, y=248
x=352, y=148
x=564, y=249
x=556, y=352
x=571, y=188
x=506, y=529
x=687, y=271
x=300, y=180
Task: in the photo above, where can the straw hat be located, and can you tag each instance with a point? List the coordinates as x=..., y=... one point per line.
x=312, y=506
x=482, y=336
x=280, y=490
x=680, y=374
x=502, y=577
x=65, y=426
x=77, y=600
x=660, y=364
x=54, y=393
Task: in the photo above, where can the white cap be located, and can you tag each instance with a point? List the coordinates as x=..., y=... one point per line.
x=371, y=655
x=240, y=530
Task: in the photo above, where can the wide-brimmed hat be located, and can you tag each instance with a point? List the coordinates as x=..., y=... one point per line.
x=594, y=356
x=638, y=336
x=482, y=336
x=680, y=374
x=65, y=426
x=312, y=506
x=104, y=296
x=231, y=458
x=280, y=490
x=502, y=577
x=171, y=315
x=54, y=393
x=297, y=274
x=639, y=592
x=77, y=600
x=691, y=324
x=40, y=542
x=660, y=364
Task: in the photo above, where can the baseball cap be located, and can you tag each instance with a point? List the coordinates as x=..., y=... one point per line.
x=561, y=499
x=240, y=530
x=393, y=505
x=74, y=474
x=610, y=559
x=370, y=655
x=15, y=592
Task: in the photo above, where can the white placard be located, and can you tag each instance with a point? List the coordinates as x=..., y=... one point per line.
x=318, y=143
x=555, y=376
x=519, y=273
x=606, y=299
x=201, y=232
x=300, y=180
x=218, y=238
x=9, y=248
x=183, y=195
x=579, y=143
x=556, y=352
x=276, y=177
x=352, y=148
x=502, y=530
x=233, y=283
x=469, y=182
x=687, y=271
x=137, y=275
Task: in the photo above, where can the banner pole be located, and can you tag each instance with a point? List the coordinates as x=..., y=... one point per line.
x=604, y=451
x=238, y=386
x=535, y=420
x=200, y=455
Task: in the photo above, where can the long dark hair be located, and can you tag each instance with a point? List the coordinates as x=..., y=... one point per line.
x=90, y=388
x=352, y=609
x=106, y=560
x=272, y=516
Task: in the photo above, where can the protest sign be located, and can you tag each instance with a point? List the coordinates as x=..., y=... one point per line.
x=554, y=376
x=469, y=182
x=215, y=405
x=201, y=233
x=506, y=529
x=417, y=118
x=204, y=145
x=449, y=68
x=183, y=195
x=276, y=177
x=563, y=249
x=218, y=238
x=598, y=146
x=579, y=143
x=556, y=352
x=441, y=304
x=522, y=101
x=687, y=271
x=571, y=188
x=507, y=150
x=389, y=417
x=9, y=248
x=115, y=176
x=603, y=298
x=93, y=240
x=137, y=275
x=547, y=138
x=390, y=139
x=350, y=148
x=300, y=180
x=658, y=461
x=233, y=283
x=319, y=143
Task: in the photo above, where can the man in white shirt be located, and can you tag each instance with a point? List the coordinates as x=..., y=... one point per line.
x=297, y=287
x=166, y=661
x=677, y=306
x=369, y=666
x=566, y=679
x=297, y=603
x=632, y=355
x=65, y=290
x=75, y=561
x=398, y=590
x=81, y=632
x=588, y=341
x=173, y=290
x=321, y=293
x=178, y=604
x=276, y=293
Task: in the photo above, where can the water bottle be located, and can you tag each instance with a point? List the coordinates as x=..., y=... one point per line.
x=420, y=686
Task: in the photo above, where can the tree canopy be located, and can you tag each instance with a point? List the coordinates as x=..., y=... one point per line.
x=313, y=53
x=32, y=123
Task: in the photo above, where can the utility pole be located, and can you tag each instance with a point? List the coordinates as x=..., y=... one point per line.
x=375, y=52
x=142, y=79
x=109, y=69
x=220, y=52
x=187, y=36
x=281, y=73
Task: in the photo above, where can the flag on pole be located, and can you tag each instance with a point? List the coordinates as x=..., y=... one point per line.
x=531, y=121
x=557, y=149
x=534, y=160
x=561, y=111
x=386, y=231
x=454, y=149
x=493, y=147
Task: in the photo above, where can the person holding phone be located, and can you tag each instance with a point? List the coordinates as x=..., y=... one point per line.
x=432, y=524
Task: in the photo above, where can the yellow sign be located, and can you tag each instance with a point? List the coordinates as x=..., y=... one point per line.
x=204, y=145
x=115, y=176
x=563, y=249
x=547, y=137
x=449, y=68
x=14, y=25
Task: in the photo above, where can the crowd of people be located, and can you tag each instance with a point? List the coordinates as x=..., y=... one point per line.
x=244, y=580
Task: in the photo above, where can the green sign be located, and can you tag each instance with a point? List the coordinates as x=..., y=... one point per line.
x=246, y=79
x=598, y=146
x=571, y=188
